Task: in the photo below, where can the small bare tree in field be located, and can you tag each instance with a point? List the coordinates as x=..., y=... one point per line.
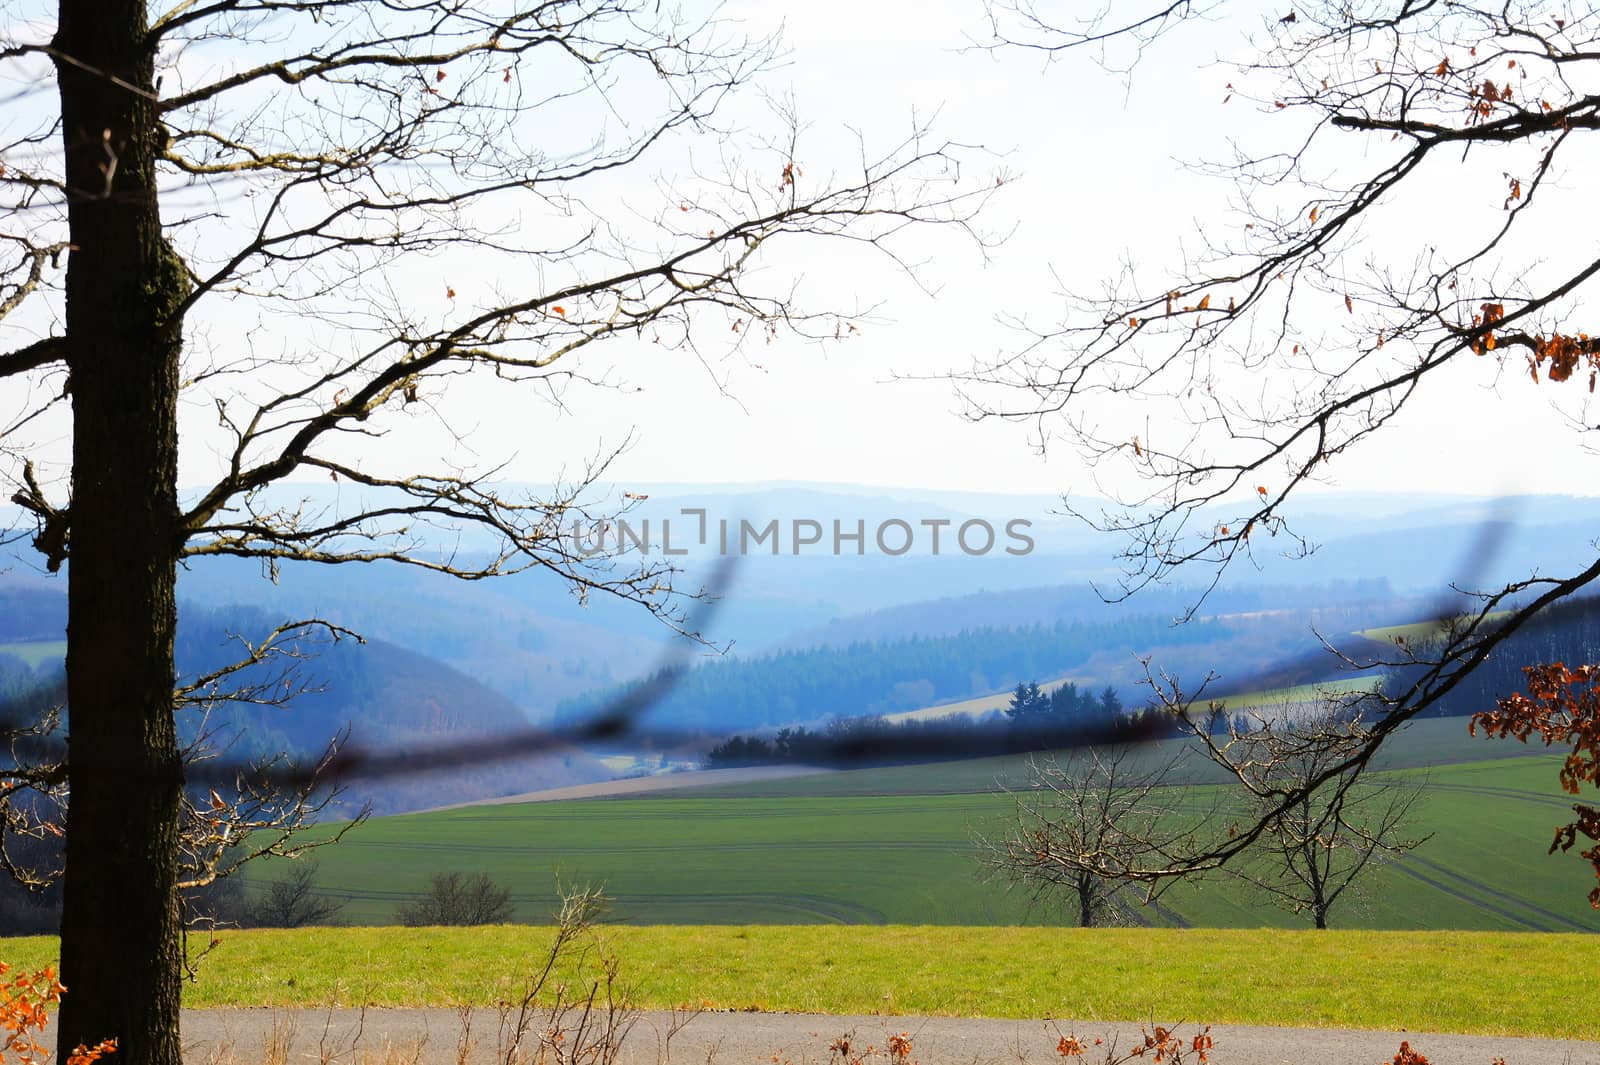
x=293, y=902
x=458, y=899
x=1083, y=820
x=1088, y=821
x=1319, y=848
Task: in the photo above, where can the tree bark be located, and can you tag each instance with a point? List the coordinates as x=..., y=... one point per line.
x=121, y=949
x=1319, y=897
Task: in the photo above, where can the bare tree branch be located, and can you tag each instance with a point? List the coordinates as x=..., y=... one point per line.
x=39, y=353
x=294, y=227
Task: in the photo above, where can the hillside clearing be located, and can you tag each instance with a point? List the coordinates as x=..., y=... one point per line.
x=37, y=653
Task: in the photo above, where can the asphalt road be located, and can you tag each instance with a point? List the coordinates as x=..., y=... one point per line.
x=429, y=1036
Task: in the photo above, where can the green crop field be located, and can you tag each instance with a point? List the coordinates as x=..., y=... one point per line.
x=824, y=849
x=1484, y=982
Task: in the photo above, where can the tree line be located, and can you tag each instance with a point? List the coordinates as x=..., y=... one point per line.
x=1033, y=711
x=1031, y=702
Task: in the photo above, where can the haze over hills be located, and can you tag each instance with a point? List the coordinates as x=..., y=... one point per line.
x=1045, y=605
x=1379, y=559
x=377, y=695
x=529, y=639
x=519, y=635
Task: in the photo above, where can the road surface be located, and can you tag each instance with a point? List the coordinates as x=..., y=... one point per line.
x=428, y=1036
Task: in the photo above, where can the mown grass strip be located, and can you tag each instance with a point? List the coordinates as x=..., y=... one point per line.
x=1471, y=982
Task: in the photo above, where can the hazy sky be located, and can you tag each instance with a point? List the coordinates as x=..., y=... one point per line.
x=1098, y=174
x=1095, y=174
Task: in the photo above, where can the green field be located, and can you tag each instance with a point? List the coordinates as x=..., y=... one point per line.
x=1418, y=632
x=1509, y=983
x=1316, y=691
x=979, y=705
x=987, y=704
x=895, y=846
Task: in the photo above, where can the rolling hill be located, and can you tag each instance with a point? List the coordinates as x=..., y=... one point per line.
x=382, y=694
x=896, y=846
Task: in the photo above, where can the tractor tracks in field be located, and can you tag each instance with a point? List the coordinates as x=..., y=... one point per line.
x=1440, y=879
x=1521, y=795
x=819, y=907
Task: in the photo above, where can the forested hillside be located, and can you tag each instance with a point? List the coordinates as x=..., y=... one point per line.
x=1567, y=632
x=874, y=678
x=30, y=614
x=1086, y=603
x=521, y=635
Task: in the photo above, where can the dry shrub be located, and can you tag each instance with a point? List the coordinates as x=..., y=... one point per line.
x=24, y=1013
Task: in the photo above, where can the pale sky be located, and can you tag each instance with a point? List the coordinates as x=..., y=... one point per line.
x=1094, y=174
x=1098, y=174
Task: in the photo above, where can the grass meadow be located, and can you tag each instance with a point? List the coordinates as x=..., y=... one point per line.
x=1470, y=982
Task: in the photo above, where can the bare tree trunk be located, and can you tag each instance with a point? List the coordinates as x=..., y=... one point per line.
x=1319, y=890
x=1086, y=902
x=120, y=942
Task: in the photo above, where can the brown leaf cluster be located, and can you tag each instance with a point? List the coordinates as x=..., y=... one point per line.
x=1561, y=707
